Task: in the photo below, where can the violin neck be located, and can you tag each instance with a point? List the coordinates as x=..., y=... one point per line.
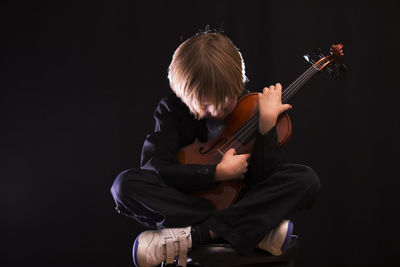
x=295, y=86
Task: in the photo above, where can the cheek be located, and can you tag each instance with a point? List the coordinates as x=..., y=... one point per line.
x=212, y=111
x=230, y=107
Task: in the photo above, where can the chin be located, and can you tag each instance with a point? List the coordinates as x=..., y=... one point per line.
x=218, y=118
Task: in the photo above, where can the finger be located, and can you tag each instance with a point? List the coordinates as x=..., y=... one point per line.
x=231, y=151
x=244, y=166
x=245, y=157
x=286, y=107
x=278, y=87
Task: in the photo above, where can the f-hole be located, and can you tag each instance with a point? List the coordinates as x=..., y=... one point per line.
x=201, y=149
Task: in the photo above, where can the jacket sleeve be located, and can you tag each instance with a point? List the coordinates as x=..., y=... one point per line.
x=266, y=155
x=159, y=154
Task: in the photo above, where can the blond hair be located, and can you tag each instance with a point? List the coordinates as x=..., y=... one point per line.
x=206, y=64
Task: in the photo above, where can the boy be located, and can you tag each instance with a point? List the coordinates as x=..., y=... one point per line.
x=207, y=76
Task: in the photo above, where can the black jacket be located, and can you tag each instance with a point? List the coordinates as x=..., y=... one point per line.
x=175, y=128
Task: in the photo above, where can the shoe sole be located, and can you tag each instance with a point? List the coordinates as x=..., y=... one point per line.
x=134, y=251
x=288, y=236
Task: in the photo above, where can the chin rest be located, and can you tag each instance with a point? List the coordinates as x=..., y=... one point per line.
x=223, y=255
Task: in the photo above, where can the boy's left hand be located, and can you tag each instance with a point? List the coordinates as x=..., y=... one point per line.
x=270, y=106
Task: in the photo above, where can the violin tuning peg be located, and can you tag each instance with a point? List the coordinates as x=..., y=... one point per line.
x=335, y=74
x=329, y=69
x=342, y=68
x=318, y=52
x=338, y=70
x=308, y=58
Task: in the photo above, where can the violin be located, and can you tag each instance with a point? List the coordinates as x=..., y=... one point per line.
x=242, y=125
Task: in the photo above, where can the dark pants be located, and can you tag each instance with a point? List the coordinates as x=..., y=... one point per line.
x=143, y=196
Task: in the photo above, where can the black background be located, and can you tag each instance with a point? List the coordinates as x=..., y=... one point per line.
x=80, y=81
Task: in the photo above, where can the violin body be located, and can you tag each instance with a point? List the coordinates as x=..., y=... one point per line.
x=242, y=124
x=210, y=153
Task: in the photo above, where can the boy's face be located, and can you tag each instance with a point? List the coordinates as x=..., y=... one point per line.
x=211, y=112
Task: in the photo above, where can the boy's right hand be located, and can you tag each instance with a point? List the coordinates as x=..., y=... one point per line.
x=232, y=166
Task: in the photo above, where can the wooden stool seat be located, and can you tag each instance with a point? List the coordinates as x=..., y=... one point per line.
x=223, y=255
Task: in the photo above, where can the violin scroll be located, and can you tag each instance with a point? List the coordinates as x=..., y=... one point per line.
x=337, y=50
x=321, y=62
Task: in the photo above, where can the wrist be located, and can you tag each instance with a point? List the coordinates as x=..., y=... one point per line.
x=218, y=172
x=264, y=127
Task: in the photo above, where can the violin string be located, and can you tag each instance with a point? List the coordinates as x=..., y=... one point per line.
x=249, y=128
x=292, y=87
x=295, y=85
x=249, y=125
x=291, y=92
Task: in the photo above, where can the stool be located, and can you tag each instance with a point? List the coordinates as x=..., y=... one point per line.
x=223, y=255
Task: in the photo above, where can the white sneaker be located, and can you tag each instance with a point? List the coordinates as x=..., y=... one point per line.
x=153, y=247
x=276, y=242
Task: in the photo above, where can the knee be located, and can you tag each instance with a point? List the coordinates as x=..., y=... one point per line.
x=132, y=183
x=312, y=185
x=312, y=179
x=121, y=185
x=308, y=181
x=118, y=185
